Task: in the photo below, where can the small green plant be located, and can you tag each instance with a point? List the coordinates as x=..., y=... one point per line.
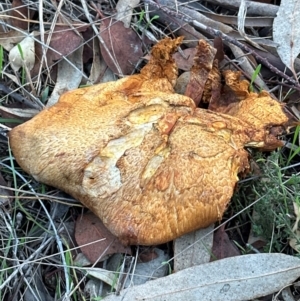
x=169, y=266
x=45, y=95
x=23, y=76
x=296, y=150
x=10, y=120
x=142, y=18
x=152, y=19
x=253, y=77
x=272, y=195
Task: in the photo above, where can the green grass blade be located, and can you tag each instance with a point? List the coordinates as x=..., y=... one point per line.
x=253, y=77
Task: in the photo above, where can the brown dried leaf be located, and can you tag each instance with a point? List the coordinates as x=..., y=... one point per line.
x=124, y=10
x=64, y=41
x=185, y=60
x=65, y=72
x=147, y=255
x=223, y=247
x=19, y=112
x=21, y=13
x=88, y=48
x=100, y=73
x=123, y=44
x=95, y=240
x=218, y=44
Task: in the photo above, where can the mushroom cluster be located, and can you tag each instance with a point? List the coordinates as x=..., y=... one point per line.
x=149, y=163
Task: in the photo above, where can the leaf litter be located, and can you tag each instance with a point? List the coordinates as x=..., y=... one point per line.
x=229, y=94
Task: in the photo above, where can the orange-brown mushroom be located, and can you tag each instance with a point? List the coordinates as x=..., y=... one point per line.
x=144, y=159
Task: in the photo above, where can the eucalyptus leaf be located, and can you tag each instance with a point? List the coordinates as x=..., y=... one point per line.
x=286, y=32
x=237, y=278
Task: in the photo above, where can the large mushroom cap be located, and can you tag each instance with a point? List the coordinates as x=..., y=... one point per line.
x=149, y=164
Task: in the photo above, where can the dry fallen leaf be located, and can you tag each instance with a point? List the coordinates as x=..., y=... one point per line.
x=64, y=40
x=193, y=248
x=294, y=240
x=286, y=31
x=185, y=60
x=21, y=15
x=123, y=44
x=238, y=278
x=144, y=159
x=65, y=71
x=94, y=240
x=20, y=112
x=124, y=10
x=150, y=269
x=223, y=247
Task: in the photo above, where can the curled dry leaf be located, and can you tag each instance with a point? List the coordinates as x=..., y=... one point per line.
x=218, y=44
x=25, y=113
x=144, y=159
